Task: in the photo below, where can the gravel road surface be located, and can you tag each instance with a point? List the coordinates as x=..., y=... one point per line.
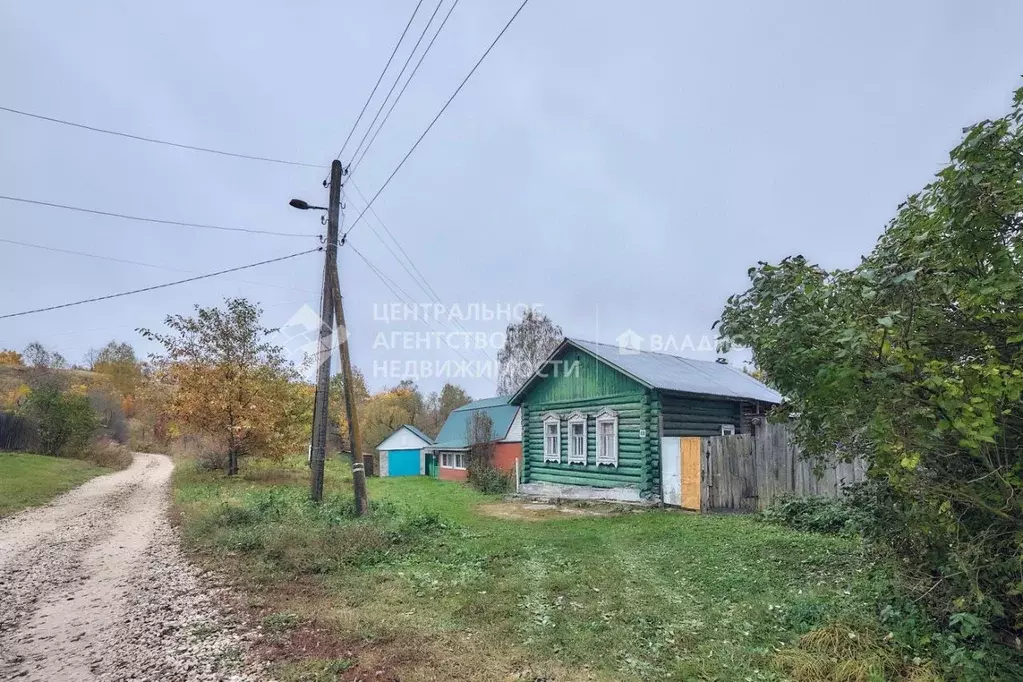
x=93, y=587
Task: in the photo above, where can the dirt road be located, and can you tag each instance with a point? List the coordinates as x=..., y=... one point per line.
x=93, y=587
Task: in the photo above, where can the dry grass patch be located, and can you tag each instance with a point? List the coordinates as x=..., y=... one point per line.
x=837, y=653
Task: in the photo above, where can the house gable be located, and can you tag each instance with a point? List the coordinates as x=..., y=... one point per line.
x=403, y=438
x=572, y=375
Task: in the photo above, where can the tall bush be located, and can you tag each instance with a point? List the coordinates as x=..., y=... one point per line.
x=914, y=359
x=65, y=421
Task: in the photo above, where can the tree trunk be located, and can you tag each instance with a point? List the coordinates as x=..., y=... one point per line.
x=232, y=461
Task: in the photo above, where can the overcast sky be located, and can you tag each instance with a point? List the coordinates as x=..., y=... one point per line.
x=621, y=164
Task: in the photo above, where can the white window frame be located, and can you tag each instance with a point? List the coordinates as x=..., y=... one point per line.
x=449, y=460
x=548, y=454
x=577, y=455
x=607, y=416
x=728, y=429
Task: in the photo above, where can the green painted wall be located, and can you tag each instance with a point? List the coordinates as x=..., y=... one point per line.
x=691, y=416
x=593, y=387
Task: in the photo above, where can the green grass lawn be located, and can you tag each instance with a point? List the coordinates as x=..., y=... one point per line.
x=436, y=586
x=28, y=480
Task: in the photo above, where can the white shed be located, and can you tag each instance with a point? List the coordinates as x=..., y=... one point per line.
x=401, y=453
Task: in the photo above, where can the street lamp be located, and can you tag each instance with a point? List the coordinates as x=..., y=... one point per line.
x=304, y=206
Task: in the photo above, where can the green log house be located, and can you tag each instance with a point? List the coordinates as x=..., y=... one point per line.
x=600, y=422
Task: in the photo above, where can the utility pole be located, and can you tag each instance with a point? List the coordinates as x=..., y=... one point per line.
x=354, y=435
x=320, y=407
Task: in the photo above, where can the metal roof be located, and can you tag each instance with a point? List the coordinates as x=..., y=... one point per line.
x=675, y=373
x=453, y=434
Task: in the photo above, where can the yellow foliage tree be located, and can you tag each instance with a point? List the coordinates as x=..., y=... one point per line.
x=16, y=396
x=231, y=383
x=11, y=358
x=118, y=363
x=386, y=411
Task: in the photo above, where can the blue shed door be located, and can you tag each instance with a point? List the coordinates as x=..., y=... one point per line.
x=403, y=462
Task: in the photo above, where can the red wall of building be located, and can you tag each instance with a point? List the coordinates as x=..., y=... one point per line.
x=505, y=455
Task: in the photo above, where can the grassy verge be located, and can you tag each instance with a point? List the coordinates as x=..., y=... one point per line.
x=445, y=583
x=28, y=480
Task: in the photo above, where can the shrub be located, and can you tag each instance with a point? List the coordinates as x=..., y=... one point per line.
x=816, y=514
x=109, y=453
x=489, y=479
x=65, y=421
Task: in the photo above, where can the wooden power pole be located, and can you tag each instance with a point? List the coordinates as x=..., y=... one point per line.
x=354, y=435
x=318, y=454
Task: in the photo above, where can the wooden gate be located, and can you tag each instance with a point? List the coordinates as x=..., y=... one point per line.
x=730, y=474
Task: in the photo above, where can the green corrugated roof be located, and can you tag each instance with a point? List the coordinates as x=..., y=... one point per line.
x=501, y=413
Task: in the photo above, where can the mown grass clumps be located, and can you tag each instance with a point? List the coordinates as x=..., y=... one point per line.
x=285, y=531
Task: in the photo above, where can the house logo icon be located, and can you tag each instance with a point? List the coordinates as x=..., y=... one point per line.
x=629, y=342
x=300, y=338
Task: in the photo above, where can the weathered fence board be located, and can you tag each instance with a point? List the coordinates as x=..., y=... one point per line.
x=747, y=472
x=16, y=433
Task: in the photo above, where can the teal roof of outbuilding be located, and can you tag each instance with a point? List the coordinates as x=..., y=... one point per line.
x=501, y=412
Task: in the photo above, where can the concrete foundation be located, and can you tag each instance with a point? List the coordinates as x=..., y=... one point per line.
x=552, y=491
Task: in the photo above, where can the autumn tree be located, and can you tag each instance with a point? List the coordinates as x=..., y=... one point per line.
x=527, y=344
x=11, y=358
x=387, y=410
x=117, y=361
x=914, y=360
x=231, y=382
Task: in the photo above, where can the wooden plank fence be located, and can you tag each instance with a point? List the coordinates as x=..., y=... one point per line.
x=745, y=473
x=16, y=433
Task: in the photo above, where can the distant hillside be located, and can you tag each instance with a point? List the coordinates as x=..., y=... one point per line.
x=13, y=377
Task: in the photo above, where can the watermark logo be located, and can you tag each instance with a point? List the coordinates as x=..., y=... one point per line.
x=629, y=342
x=300, y=338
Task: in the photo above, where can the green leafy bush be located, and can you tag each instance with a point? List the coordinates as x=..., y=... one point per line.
x=65, y=421
x=816, y=514
x=913, y=360
x=489, y=479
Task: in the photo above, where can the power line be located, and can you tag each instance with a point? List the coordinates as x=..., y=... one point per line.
x=408, y=300
x=154, y=140
x=421, y=280
x=158, y=286
x=135, y=262
x=380, y=78
x=439, y=113
x=405, y=87
x=151, y=220
x=397, y=78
